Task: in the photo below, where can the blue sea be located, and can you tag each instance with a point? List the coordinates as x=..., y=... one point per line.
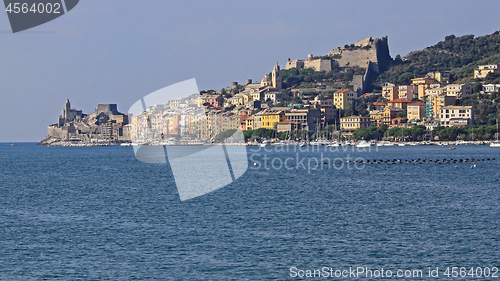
x=96, y=213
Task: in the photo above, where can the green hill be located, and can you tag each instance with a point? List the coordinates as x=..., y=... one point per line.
x=459, y=55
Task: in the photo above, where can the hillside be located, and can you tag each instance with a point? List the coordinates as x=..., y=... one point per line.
x=459, y=55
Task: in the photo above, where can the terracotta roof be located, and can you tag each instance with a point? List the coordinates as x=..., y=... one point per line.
x=379, y=103
x=417, y=103
x=398, y=101
x=343, y=91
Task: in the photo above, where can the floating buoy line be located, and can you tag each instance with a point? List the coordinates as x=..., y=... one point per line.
x=418, y=161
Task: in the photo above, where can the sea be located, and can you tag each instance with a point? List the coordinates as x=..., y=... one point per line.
x=96, y=213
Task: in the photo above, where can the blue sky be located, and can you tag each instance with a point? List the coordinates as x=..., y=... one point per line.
x=116, y=51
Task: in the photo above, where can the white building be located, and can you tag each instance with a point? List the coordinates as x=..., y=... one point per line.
x=458, y=90
x=491, y=88
x=457, y=116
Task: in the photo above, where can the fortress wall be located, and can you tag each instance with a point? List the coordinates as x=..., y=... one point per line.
x=359, y=58
x=319, y=65
x=59, y=133
x=107, y=108
x=294, y=64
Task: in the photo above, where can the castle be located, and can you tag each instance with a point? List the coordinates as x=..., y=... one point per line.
x=105, y=124
x=368, y=53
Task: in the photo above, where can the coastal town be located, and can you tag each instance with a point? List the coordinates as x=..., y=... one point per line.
x=314, y=112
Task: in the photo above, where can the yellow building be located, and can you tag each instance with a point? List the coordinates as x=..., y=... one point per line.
x=422, y=81
x=440, y=76
x=342, y=98
x=376, y=117
x=483, y=70
x=249, y=123
x=389, y=114
x=434, y=104
x=353, y=123
x=270, y=117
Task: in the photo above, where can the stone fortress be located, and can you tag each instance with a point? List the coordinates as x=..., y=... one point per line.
x=105, y=125
x=370, y=54
x=367, y=53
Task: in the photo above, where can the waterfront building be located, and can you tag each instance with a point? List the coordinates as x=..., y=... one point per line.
x=457, y=116
x=306, y=118
x=353, y=123
x=270, y=117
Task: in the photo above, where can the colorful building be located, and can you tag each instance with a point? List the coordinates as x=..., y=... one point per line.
x=353, y=123
x=434, y=104
x=342, y=98
x=270, y=117
x=421, y=81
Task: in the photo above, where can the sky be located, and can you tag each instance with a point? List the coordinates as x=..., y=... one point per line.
x=117, y=51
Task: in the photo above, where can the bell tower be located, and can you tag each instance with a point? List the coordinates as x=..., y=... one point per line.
x=277, y=79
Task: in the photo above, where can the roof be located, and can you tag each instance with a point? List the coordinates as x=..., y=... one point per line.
x=417, y=103
x=398, y=101
x=379, y=103
x=270, y=112
x=342, y=91
x=355, y=116
x=456, y=107
x=392, y=108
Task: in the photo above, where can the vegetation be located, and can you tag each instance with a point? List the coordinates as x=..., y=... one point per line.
x=309, y=77
x=371, y=133
x=459, y=55
x=226, y=134
x=259, y=133
x=486, y=107
x=474, y=132
x=415, y=133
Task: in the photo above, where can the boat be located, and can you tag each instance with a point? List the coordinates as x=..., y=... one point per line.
x=495, y=143
x=126, y=144
x=13, y=144
x=264, y=144
x=334, y=144
x=363, y=144
x=401, y=144
x=452, y=147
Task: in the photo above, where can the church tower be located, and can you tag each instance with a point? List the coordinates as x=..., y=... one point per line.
x=277, y=79
x=67, y=107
